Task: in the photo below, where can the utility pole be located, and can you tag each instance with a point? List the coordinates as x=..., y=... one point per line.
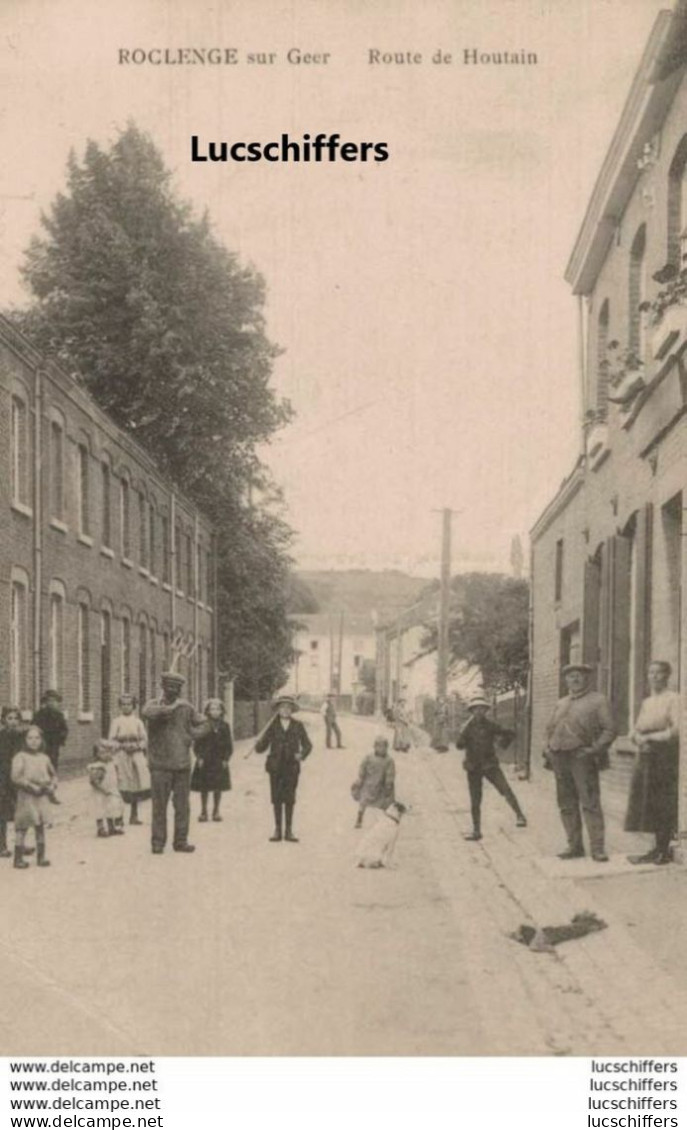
x=340, y=673
x=444, y=601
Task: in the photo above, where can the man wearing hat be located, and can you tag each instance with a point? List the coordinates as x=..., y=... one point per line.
x=288, y=742
x=173, y=724
x=331, y=724
x=578, y=736
x=478, y=738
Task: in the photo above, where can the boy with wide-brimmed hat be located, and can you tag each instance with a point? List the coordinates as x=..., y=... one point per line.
x=478, y=738
x=288, y=743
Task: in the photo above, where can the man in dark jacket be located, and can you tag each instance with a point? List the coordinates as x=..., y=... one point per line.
x=173, y=724
x=52, y=724
x=289, y=744
x=478, y=738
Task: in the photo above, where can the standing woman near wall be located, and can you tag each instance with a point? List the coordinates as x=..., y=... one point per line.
x=652, y=804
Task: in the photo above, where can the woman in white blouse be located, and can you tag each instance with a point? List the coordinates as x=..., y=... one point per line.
x=653, y=794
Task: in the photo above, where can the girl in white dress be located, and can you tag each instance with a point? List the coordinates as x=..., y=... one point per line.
x=129, y=735
x=35, y=780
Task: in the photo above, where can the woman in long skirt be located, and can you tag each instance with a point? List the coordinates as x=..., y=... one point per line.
x=652, y=804
x=129, y=736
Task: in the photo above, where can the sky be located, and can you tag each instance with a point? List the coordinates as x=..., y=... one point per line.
x=430, y=348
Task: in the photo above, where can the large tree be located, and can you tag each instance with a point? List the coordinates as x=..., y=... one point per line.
x=488, y=627
x=137, y=298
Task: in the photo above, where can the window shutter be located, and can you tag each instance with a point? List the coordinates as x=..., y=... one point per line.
x=591, y=610
x=642, y=609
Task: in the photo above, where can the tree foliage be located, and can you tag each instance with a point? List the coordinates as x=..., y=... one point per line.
x=136, y=297
x=488, y=627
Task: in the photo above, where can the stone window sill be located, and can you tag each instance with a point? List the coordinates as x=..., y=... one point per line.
x=58, y=524
x=153, y=580
x=85, y=716
x=143, y=571
x=22, y=508
x=85, y=539
x=166, y=586
x=107, y=552
x=127, y=563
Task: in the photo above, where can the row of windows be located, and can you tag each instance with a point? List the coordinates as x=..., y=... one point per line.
x=141, y=649
x=637, y=282
x=144, y=534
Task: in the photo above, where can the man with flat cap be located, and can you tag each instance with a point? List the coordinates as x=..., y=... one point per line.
x=173, y=724
x=578, y=737
x=288, y=742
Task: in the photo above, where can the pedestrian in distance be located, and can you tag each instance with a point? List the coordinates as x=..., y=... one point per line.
x=403, y=737
x=35, y=781
x=579, y=735
x=288, y=743
x=108, y=806
x=652, y=804
x=128, y=734
x=440, y=727
x=11, y=741
x=331, y=724
x=173, y=725
x=53, y=725
x=212, y=749
x=376, y=781
x=478, y=738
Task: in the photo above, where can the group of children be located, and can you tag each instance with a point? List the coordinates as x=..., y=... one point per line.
x=118, y=774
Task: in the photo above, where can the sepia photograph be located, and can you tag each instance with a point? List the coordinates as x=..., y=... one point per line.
x=343, y=424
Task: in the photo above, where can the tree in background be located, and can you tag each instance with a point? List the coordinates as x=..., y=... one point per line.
x=489, y=627
x=138, y=300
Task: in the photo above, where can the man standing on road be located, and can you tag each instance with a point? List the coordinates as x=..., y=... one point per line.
x=172, y=726
x=478, y=738
x=289, y=744
x=329, y=715
x=578, y=737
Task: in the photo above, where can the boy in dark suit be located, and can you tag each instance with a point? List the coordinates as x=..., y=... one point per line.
x=289, y=744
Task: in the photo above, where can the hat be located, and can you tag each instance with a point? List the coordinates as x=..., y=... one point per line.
x=287, y=698
x=478, y=700
x=173, y=678
x=584, y=667
x=51, y=694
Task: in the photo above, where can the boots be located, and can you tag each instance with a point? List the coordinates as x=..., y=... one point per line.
x=289, y=821
x=276, y=838
x=40, y=849
x=115, y=827
x=359, y=821
x=19, y=861
x=101, y=832
x=133, y=815
x=4, y=852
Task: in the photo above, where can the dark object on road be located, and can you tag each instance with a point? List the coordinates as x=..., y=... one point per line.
x=547, y=937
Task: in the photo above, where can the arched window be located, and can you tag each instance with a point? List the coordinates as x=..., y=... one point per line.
x=126, y=651
x=637, y=292
x=58, y=599
x=83, y=637
x=20, y=448
x=602, y=361
x=56, y=485
x=677, y=207
x=19, y=638
x=106, y=499
x=125, y=514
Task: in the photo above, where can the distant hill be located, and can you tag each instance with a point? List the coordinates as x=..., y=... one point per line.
x=359, y=591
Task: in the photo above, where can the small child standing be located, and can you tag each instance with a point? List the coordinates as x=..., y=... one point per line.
x=129, y=736
x=11, y=741
x=107, y=802
x=213, y=750
x=376, y=782
x=35, y=780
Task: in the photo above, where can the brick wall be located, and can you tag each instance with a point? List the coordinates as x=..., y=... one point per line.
x=86, y=565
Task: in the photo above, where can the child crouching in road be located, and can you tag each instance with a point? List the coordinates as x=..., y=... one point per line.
x=35, y=780
x=108, y=805
x=478, y=737
x=375, y=785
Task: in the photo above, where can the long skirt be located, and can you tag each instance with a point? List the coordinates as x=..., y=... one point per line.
x=133, y=775
x=652, y=803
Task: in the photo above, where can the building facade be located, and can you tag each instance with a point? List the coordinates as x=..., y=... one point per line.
x=330, y=651
x=608, y=558
x=106, y=572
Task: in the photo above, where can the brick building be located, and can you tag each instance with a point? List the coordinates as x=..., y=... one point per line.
x=608, y=564
x=105, y=570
